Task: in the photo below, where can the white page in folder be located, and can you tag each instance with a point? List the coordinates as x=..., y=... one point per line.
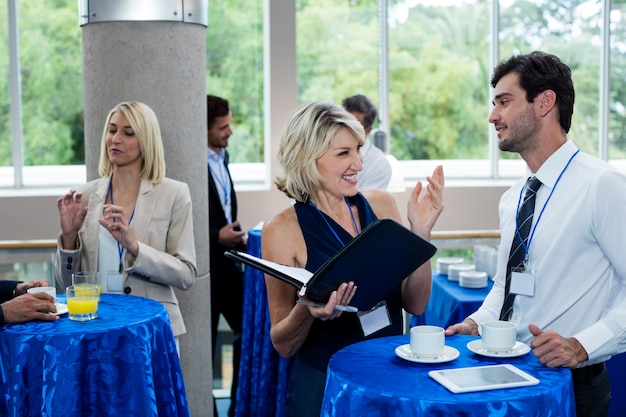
x=300, y=274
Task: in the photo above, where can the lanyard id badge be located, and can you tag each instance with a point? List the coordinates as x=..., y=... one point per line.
x=375, y=319
x=522, y=282
x=115, y=282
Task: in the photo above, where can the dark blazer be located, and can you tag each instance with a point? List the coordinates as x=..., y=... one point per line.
x=6, y=290
x=221, y=267
x=6, y=293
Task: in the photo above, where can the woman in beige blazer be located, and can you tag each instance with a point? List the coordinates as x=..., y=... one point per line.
x=132, y=225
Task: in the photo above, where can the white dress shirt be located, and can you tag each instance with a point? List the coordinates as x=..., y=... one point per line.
x=576, y=254
x=221, y=179
x=376, y=171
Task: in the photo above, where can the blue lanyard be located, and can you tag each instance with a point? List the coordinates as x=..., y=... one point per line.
x=120, y=248
x=328, y=224
x=519, y=201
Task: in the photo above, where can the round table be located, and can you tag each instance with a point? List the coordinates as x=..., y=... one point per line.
x=124, y=363
x=369, y=379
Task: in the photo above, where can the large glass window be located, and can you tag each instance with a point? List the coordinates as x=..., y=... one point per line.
x=438, y=65
x=6, y=144
x=50, y=63
x=438, y=79
x=438, y=85
x=617, y=102
x=439, y=69
x=52, y=82
x=337, y=49
x=235, y=72
x=572, y=31
x=50, y=130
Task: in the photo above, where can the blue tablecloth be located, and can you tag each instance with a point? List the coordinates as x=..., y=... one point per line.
x=368, y=379
x=124, y=363
x=450, y=303
x=263, y=373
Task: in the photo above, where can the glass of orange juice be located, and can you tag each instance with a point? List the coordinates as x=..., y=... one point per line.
x=87, y=277
x=82, y=302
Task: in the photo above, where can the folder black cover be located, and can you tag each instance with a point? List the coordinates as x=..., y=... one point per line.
x=377, y=260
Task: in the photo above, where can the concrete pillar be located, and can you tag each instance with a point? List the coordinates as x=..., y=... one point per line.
x=156, y=54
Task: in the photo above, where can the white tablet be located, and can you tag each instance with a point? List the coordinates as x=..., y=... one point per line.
x=482, y=378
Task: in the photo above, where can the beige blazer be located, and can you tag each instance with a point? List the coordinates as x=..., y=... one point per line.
x=163, y=227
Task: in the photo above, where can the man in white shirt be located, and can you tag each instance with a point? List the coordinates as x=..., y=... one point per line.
x=570, y=297
x=376, y=171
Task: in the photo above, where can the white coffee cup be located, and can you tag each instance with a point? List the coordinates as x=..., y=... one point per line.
x=497, y=335
x=51, y=291
x=427, y=341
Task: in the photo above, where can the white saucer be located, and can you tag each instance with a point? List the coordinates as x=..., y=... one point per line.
x=61, y=309
x=449, y=354
x=519, y=349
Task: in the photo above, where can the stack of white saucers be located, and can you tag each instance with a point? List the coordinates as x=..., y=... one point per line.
x=455, y=270
x=480, y=257
x=473, y=279
x=444, y=263
x=486, y=259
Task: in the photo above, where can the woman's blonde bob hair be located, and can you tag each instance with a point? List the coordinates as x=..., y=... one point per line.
x=147, y=131
x=305, y=138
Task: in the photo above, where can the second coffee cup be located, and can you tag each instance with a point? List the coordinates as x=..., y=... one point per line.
x=497, y=335
x=427, y=341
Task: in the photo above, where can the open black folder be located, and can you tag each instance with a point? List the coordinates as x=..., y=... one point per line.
x=377, y=260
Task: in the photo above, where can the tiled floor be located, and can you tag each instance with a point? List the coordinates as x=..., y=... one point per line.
x=223, y=379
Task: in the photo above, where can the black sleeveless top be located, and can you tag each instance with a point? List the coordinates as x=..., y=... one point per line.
x=327, y=337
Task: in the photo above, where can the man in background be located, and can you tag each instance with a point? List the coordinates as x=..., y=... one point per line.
x=376, y=171
x=224, y=234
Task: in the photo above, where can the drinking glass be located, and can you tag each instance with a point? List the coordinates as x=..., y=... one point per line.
x=82, y=302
